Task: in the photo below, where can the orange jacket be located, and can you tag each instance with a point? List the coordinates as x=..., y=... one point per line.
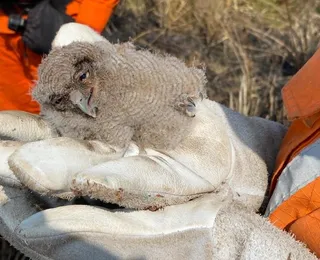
x=18, y=64
x=95, y=13
x=300, y=212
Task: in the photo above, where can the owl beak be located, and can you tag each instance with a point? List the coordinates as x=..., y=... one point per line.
x=85, y=103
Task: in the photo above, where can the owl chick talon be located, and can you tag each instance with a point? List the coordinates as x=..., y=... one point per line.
x=191, y=110
x=187, y=106
x=190, y=100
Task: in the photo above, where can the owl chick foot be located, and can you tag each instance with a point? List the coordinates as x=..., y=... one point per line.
x=186, y=105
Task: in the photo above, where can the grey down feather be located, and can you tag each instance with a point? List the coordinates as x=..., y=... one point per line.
x=136, y=95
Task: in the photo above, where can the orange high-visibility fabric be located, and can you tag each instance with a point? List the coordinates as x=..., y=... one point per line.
x=307, y=228
x=300, y=213
x=300, y=204
x=18, y=64
x=298, y=136
x=18, y=70
x=95, y=13
x=307, y=199
x=301, y=94
x=4, y=21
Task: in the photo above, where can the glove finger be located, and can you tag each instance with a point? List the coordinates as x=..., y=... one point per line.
x=48, y=166
x=87, y=232
x=72, y=32
x=23, y=126
x=7, y=177
x=141, y=182
x=16, y=204
x=241, y=234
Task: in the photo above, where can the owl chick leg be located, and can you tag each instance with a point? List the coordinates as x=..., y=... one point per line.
x=186, y=105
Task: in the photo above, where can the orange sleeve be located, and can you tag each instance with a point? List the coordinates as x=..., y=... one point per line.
x=96, y=13
x=4, y=21
x=307, y=230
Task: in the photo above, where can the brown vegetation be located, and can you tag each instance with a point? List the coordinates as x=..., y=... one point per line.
x=250, y=48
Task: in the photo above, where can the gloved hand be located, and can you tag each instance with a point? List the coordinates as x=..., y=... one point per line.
x=222, y=165
x=42, y=25
x=211, y=226
x=214, y=153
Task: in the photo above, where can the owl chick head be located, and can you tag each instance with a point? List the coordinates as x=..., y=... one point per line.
x=70, y=77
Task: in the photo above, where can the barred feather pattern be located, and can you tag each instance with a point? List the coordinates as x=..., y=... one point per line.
x=136, y=92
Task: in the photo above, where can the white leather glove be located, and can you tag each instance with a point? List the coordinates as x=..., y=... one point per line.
x=219, y=150
x=217, y=160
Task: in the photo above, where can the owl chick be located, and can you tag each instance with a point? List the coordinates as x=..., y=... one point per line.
x=115, y=93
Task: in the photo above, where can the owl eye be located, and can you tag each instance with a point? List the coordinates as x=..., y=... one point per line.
x=84, y=76
x=58, y=101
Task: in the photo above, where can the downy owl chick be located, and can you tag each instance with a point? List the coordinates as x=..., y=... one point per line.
x=115, y=93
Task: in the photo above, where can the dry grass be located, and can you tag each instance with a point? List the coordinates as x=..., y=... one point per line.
x=249, y=47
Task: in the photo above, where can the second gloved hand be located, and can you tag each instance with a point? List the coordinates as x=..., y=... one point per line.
x=42, y=24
